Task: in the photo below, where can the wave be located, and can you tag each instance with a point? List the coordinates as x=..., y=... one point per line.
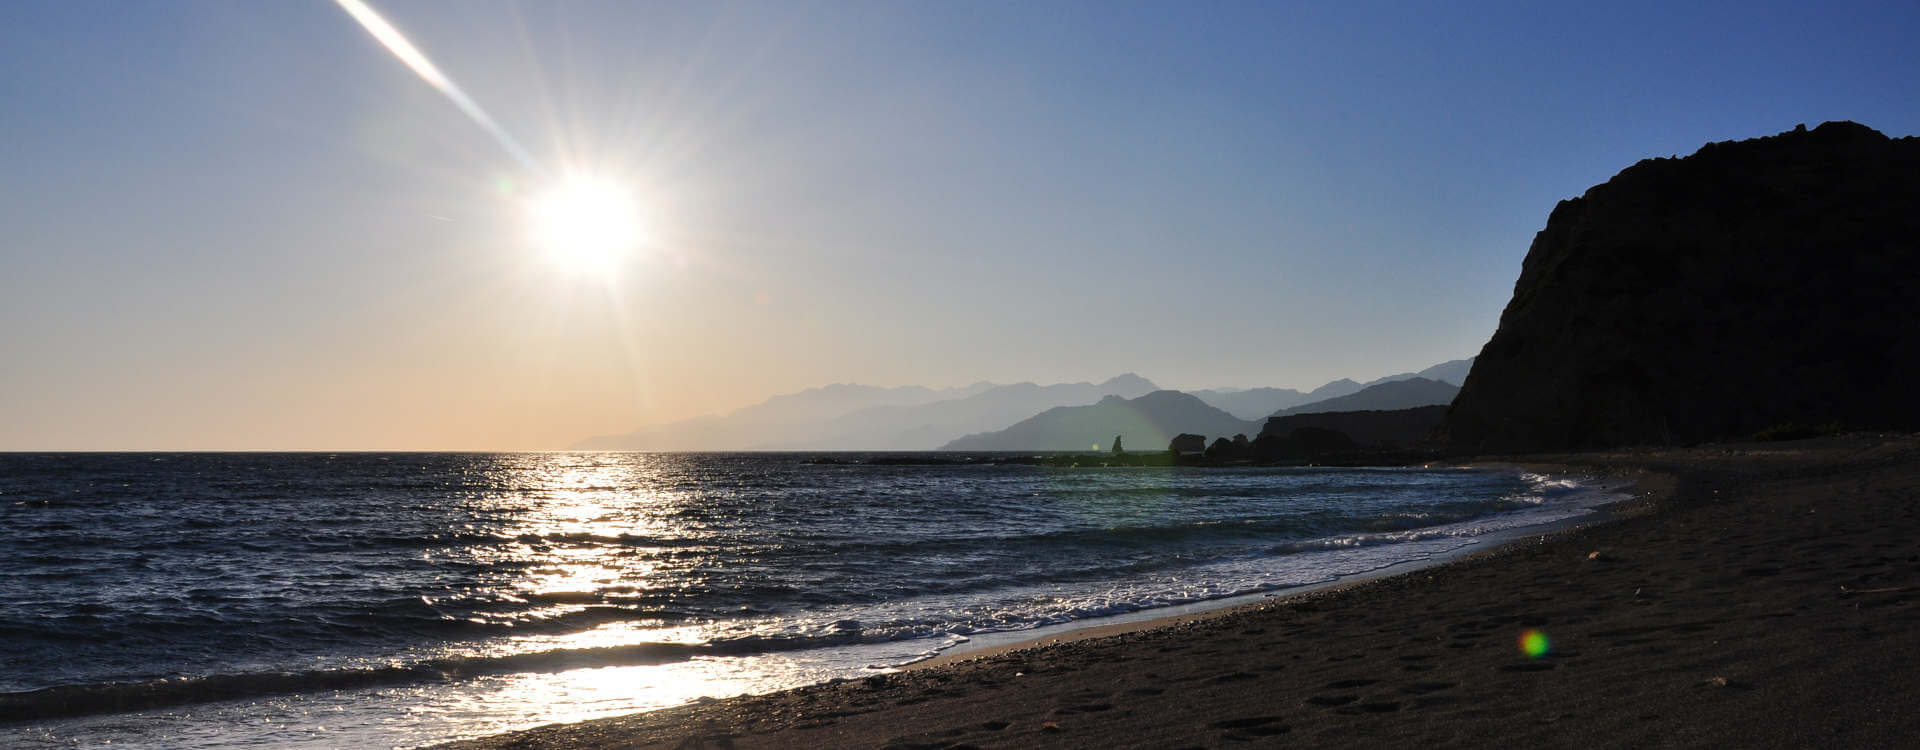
x=1147, y=548
x=116, y=697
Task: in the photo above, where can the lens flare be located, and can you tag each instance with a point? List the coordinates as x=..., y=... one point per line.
x=414, y=59
x=1534, y=643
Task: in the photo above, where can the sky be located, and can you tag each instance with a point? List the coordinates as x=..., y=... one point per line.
x=249, y=226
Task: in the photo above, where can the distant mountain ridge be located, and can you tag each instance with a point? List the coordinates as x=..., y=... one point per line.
x=1147, y=423
x=1387, y=396
x=1259, y=403
x=848, y=416
x=1251, y=403
x=927, y=426
x=739, y=428
x=1452, y=372
x=862, y=417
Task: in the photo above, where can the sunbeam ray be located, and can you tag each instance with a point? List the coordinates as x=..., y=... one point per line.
x=397, y=43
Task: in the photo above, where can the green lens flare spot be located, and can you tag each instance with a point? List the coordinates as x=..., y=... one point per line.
x=1534, y=644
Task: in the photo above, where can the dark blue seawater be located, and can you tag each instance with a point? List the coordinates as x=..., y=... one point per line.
x=253, y=599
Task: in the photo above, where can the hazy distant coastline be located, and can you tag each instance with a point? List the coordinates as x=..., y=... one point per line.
x=909, y=418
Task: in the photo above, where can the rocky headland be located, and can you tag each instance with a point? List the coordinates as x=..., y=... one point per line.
x=1754, y=285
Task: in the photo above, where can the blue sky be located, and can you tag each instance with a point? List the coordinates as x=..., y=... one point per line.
x=246, y=225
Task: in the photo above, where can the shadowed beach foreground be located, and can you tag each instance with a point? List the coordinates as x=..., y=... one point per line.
x=1753, y=595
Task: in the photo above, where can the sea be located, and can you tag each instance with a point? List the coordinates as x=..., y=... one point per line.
x=313, y=600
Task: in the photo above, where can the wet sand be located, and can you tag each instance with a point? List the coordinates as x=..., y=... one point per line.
x=1755, y=595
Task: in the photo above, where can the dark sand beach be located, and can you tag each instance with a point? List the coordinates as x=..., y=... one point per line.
x=1751, y=595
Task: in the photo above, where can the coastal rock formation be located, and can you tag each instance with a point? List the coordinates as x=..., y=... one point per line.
x=1749, y=285
x=1187, y=442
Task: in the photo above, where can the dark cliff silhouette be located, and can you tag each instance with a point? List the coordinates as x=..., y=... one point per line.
x=1750, y=285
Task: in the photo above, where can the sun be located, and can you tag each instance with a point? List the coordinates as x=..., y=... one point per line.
x=586, y=224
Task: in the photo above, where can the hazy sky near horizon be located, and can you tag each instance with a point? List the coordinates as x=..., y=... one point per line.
x=248, y=226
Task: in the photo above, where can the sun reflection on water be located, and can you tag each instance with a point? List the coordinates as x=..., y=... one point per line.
x=583, y=528
x=603, y=538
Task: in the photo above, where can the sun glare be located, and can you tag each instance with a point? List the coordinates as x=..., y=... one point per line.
x=586, y=224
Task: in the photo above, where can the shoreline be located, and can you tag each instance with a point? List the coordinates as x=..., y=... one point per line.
x=993, y=644
x=1768, y=596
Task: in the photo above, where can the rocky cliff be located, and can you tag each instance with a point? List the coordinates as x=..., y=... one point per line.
x=1746, y=286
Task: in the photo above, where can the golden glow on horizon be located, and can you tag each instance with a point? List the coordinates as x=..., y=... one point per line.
x=586, y=224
